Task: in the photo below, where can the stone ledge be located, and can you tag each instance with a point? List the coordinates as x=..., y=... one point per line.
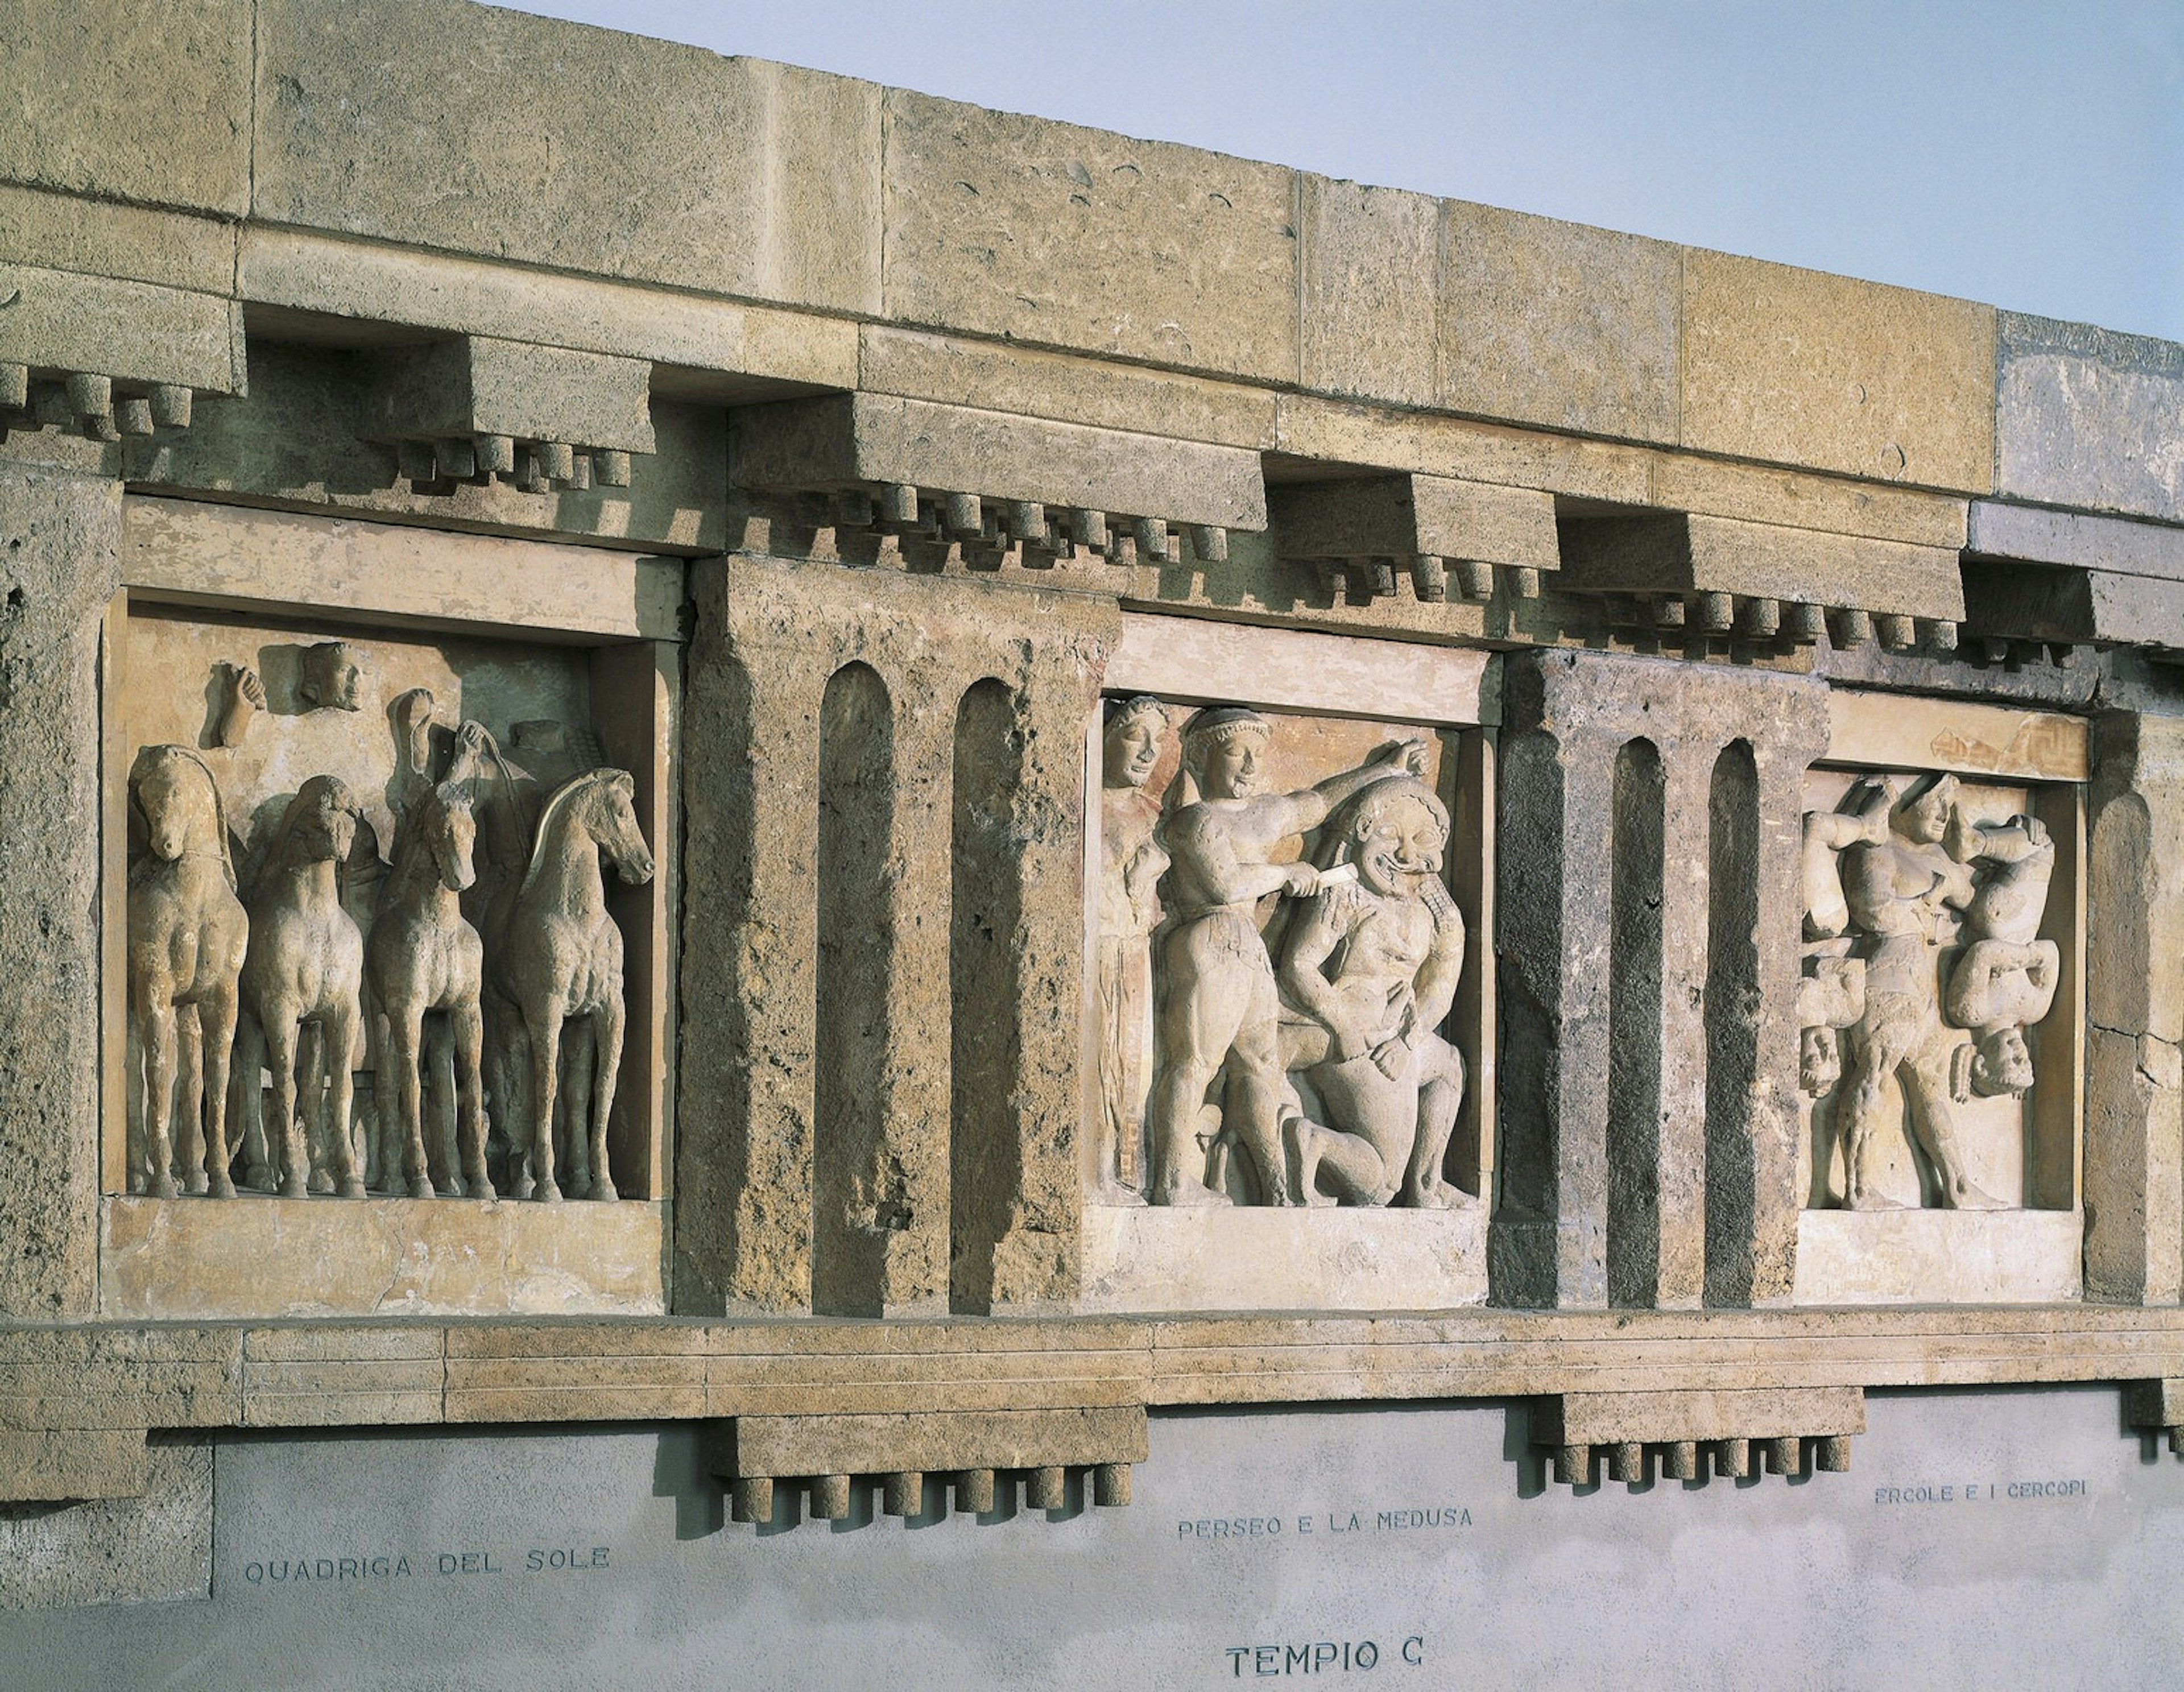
x=1924, y=1257
x=260, y=1257
x=1157, y=1259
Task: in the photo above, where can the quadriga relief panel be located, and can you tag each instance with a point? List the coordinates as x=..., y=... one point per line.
x=1276, y=956
x=382, y=897
x=1937, y=941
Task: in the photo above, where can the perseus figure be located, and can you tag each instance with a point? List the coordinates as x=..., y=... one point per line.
x=1218, y=1015
x=1131, y=863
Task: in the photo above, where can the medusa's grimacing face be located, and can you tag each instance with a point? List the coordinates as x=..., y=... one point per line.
x=1398, y=840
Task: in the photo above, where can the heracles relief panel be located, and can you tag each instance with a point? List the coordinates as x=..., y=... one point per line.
x=1276, y=955
x=1931, y=908
x=374, y=936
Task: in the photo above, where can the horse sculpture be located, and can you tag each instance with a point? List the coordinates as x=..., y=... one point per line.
x=421, y=957
x=560, y=958
x=187, y=936
x=304, y=971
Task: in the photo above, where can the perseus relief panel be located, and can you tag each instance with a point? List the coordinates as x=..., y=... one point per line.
x=1283, y=919
x=386, y=932
x=1939, y=1044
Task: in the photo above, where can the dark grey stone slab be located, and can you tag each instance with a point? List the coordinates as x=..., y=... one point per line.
x=2088, y=417
x=2114, y=544
x=2009, y=1538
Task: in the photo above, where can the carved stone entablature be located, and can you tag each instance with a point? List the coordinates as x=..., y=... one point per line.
x=1684, y=1427
x=2063, y=577
x=949, y=472
x=1723, y=577
x=115, y=359
x=473, y=408
x=1378, y=526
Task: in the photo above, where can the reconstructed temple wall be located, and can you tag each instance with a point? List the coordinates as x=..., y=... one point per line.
x=899, y=787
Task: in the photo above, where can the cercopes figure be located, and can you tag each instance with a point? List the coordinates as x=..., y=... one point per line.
x=1218, y=1014
x=1373, y=965
x=562, y=960
x=2007, y=977
x=1131, y=862
x=1896, y=889
x=187, y=935
x=305, y=971
x=422, y=957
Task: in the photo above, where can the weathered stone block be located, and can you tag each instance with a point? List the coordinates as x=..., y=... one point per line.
x=43, y=1467
x=2072, y=537
x=1653, y=1418
x=133, y=331
x=2086, y=416
x=147, y=1548
x=1074, y=237
x=1792, y=499
x=1156, y=1258
x=1371, y=267
x=130, y=100
x=866, y=438
x=1721, y=554
x=551, y=143
x=102, y=238
x=1556, y=323
x=874, y=1444
x=1400, y=516
x=1800, y=368
x=1311, y=427
x=476, y=385
x=58, y=571
x=1924, y=1257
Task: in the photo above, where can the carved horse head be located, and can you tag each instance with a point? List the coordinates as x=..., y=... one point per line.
x=598, y=806
x=177, y=799
x=320, y=823
x=442, y=826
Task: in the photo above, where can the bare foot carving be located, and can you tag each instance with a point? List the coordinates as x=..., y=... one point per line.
x=242, y=696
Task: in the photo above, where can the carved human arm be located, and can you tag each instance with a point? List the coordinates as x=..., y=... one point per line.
x=1436, y=984
x=1202, y=845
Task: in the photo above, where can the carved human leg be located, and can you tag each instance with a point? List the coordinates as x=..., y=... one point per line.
x=1440, y=1101
x=1877, y=1053
x=1933, y=1126
x=1205, y=999
x=607, y=1026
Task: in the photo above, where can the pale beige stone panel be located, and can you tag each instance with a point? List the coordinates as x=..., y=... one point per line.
x=997, y=377
x=1311, y=427
x=165, y=1260
x=1953, y=734
x=1365, y=315
x=131, y=99
x=1072, y=237
x=555, y=144
x=874, y=1443
x=1802, y=368
x=1925, y=1257
x=1194, y=658
x=1157, y=1259
x=1762, y=493
x=1558, y=324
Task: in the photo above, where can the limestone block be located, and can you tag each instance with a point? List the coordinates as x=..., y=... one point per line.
x=102, y=238
x=574, y=1371
x=181, y=74
x=1793, y=500
x=1311, y=427
x=1558, y=324
x=132, y=331
x=852, y=439
x=42, y=1466
x=769, y=901
x=151, y=1547
x=86, y=1377
x=550, y=143
x=1403, y=516
x=1800, y=368
x=1072, y=237
x=778, y=1445
x=2134, y=1242
x=1922, y=1257
x=1371, y=266
x=476, y=385
x=1659, y=1417
x=1157, y=1258
x=57, y=572
x=1722, y=554
x=2037, y=602
x=2077, y=539
x=295, y=442
x=1617, y=779
x=2088, y=417
x=309, y=1375
x=1064, y=387
x=303, y=271
x=164, y=1260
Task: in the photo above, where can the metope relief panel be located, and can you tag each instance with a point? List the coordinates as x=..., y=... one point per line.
x=1938, y=1072
x=1275, y=957
x=380, y=897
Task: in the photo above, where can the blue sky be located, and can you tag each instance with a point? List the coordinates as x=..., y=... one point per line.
x=2028, y=154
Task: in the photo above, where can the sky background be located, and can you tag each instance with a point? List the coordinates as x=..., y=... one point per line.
x=2024, y=153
